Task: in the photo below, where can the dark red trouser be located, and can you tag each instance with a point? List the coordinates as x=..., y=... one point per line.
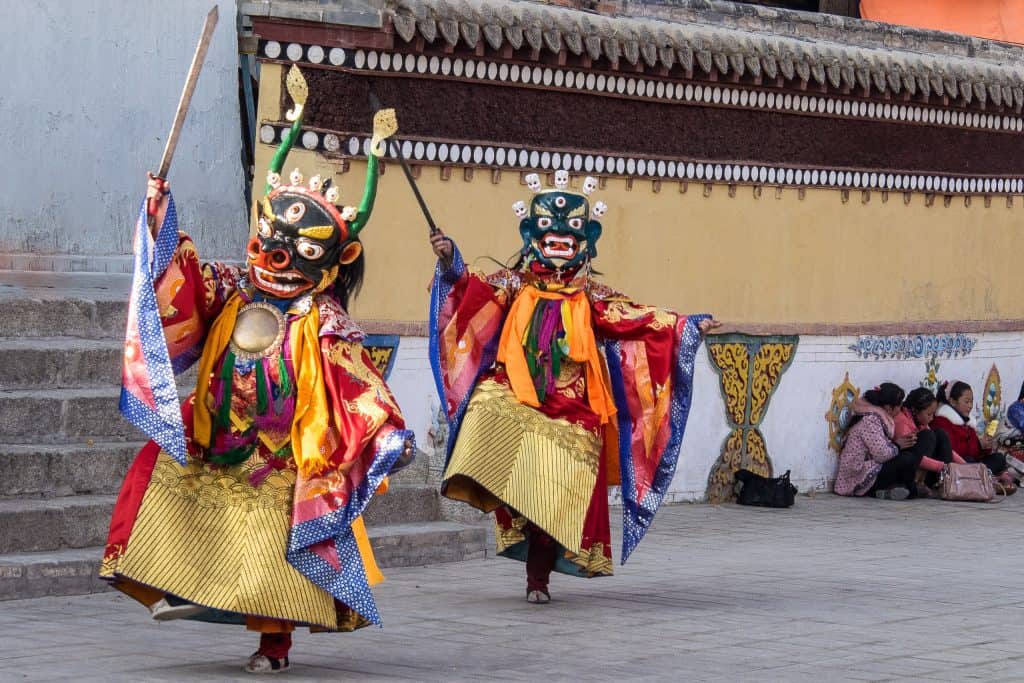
x=275, y=645
x=540, y=560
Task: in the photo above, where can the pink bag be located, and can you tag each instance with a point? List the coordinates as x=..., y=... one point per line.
x=967, y=481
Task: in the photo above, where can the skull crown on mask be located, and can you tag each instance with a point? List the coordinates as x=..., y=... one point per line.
x=558, y=229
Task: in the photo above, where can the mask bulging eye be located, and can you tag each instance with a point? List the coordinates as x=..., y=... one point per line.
x=264, y=228
x=543, y=222
x=576, y=223
x=295, y=212
x=310, y=251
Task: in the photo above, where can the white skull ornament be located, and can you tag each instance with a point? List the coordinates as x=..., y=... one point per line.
x=589, y=185
x=520, y=209
x=533, y=182
x=599, y=210
x=561, y=179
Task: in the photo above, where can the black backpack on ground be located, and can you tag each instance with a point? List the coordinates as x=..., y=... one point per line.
x=753, y=489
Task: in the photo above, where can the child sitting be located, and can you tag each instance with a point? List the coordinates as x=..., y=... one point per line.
x=915, y=418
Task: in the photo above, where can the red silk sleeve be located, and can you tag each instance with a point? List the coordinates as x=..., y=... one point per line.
x=190, y=295
x=657, y=329
x=361, y=403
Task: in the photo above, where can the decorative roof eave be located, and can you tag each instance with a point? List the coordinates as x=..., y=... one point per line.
x=654, y=43
x=657, y=44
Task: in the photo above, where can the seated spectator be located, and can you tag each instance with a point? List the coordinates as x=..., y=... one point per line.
x=954, y=418
x=1010, y=436
x=915, y=418
x=873, y=460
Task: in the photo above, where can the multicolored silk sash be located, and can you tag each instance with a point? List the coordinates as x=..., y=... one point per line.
x=574, y=311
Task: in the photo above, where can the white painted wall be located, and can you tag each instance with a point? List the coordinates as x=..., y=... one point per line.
x=412, y=383
x=794, y=427
x=90, y=91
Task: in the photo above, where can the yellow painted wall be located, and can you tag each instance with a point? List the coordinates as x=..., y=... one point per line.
x=745, y=259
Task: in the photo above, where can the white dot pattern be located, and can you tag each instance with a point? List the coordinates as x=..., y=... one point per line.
x=161, y=420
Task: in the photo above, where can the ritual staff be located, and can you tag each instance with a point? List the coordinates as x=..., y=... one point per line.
x=250, y=514
x=556, y=387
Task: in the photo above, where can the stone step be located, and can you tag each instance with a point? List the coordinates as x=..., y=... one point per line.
x=53, y=470
x=58, y=362
x=64, y=469
x=65, y=572
x=43, y=524
x=73, y=571
x=410, y=545
x=63, y=416
x=50, y=316
x=416, y=473
x=403, y=504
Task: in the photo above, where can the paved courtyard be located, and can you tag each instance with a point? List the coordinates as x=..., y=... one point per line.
x=832, y=590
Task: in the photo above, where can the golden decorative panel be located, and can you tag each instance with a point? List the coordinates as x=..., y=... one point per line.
x=733, y=364
x=769, y=362
x=749, y=369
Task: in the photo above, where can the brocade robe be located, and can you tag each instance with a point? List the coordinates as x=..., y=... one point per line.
x=244, y=527
x=537, y=441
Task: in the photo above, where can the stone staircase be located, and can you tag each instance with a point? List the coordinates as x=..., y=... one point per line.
x=64, y=449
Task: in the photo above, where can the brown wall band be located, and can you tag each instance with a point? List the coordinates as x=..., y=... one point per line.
x=557, y=120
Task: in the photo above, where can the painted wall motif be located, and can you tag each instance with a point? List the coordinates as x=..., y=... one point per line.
x=931, y=374
x=838, y=415
x=749, y=369
x=991, y=397
x=917, y=346
x=383, y=350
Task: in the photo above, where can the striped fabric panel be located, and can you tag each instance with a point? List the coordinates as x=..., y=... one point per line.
x=226, y=556
x=544, y=469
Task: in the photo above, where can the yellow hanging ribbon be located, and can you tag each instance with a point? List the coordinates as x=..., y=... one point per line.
x=373, y=572
x=579, y=332
x=216, y=341
x=311, y=421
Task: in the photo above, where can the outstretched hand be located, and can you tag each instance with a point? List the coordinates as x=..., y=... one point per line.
x=442, y=247
x=707, y=325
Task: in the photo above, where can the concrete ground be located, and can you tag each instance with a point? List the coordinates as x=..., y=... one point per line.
x=831, y=590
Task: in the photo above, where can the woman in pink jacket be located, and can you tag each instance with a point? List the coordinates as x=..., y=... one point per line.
x=874, y=461
x=916, y=417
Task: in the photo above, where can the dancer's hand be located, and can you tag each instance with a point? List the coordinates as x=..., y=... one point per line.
x=442, y=247
x=707, y=325
x=156, y=200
